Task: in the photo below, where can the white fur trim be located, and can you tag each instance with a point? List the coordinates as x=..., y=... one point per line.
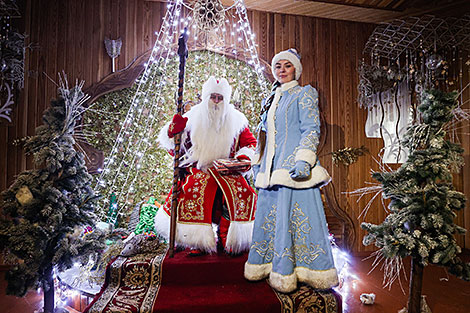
x=290, y=56
x=248, y=151
x=165, y=141
x=262, y=180
x=318, y=177
x=306, y=155
x=196, y=236
x=220, y=86
x=256, y=159
x=239, y=237
x=283, y=283
x=271, y=139
x=318, y=279
x=257, y=271
x=287, y=283
x=289, y=85
x=162, y=223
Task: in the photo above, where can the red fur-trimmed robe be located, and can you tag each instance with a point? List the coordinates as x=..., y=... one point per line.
x=196, y=199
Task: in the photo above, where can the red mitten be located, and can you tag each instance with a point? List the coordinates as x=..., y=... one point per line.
x=243, y=157
x=177, y=125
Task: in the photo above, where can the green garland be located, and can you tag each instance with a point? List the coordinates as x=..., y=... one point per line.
x=105, y=119
x=147, y=215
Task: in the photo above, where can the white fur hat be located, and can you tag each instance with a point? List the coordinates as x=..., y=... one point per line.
x=220, y=86
x=290, y=55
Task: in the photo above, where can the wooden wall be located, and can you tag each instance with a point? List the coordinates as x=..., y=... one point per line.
x=70, y=36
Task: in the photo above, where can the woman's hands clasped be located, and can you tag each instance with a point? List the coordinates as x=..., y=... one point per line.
x=300, y=170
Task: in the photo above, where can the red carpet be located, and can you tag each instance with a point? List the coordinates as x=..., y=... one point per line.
x=209, y=283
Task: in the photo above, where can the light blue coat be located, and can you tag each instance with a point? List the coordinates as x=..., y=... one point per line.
x=290, y=237
x=292, y=126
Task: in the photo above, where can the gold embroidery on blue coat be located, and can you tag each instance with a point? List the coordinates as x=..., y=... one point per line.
x=310, y=103
x=290, y=160
x=302, y=253
x=299, y=225
x=293, y=91
x=310, y=141
x=265, y=248
x=300, y=228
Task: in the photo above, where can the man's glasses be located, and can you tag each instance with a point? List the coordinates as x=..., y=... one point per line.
x=217, y=97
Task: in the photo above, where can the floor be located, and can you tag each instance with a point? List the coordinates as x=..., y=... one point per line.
x=10, y=304
x=444, y=293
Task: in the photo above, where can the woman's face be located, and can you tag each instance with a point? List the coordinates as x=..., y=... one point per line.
x=285, y=71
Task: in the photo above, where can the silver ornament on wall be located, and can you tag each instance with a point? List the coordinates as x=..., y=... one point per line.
x=113, y=48
x=6, y=101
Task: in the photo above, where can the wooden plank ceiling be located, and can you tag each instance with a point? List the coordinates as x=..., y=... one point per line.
x=368, y=11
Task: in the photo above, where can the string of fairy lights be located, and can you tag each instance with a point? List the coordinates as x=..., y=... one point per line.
x=140, y=101
x=123, y=164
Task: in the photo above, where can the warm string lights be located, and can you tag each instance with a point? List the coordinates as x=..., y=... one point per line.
x=250, y=38
x=147, y=110
x=65, y=295
x=346, y=277
x=125, y=142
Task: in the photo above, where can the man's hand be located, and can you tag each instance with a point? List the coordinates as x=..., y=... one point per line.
x=177, y=125
x=300, y=170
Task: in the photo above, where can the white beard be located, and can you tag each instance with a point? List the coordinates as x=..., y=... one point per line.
x=213, y=132
x=216, y=115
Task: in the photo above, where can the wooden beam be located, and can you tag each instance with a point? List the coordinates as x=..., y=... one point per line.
x=389, y=5
x=320, y=9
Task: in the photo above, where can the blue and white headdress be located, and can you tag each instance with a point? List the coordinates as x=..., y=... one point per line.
x=290, y=55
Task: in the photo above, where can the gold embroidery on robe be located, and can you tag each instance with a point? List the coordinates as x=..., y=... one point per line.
x=191, y=209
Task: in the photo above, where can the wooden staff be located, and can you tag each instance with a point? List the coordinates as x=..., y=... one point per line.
x=183, y=54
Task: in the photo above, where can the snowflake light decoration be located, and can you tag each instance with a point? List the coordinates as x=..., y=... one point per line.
x=208, y=14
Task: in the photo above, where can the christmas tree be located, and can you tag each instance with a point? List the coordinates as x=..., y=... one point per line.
x=46, y=212
x=423, y=199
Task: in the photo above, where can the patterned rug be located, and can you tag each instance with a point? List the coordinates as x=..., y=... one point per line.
x=131, y=284
x=306, y=299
